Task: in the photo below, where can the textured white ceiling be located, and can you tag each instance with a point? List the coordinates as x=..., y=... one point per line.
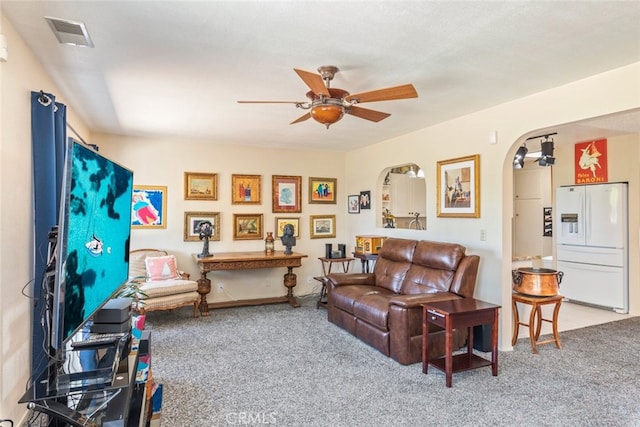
x=178, y=67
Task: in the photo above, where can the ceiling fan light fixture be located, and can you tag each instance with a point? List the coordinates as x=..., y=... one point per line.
x=327, y=111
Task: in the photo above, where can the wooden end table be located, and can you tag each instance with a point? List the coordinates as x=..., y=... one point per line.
x=368, y=261
x=327, y=265
x=457, y=314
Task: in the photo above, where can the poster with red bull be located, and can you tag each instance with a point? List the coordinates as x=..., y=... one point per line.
x=591, y=162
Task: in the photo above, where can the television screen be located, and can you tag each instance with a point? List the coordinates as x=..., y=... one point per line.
x=92, y=251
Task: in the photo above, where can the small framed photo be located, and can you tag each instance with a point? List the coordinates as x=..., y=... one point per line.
x=353, y=202
x=459, y=187
x=200, y=186
x=192, y=221
x=246, y=190
x=322, y=190
x=286, y=194
x=149, y=206
x=323, y=226
x=281, y=222
x=247, y=227
x=365, y=199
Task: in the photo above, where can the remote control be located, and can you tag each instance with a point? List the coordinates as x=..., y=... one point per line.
x=98, y=340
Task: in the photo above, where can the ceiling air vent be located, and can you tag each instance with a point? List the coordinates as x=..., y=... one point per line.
x=69, y=32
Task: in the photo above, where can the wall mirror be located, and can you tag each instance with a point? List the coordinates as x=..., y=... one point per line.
x=403, y=198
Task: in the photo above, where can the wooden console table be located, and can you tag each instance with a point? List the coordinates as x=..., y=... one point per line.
x=247, y=261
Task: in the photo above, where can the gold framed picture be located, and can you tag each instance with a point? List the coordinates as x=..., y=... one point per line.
x=322, y=226
x=247, y=227
x=459, y=187
x=281, y=222
x=192, y=221
x=246, y=189
x=322, y=190
x=286, y=194
x=200, y=186
x=149, y=206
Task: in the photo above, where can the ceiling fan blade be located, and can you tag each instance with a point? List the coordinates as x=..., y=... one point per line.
x=365, y=113
x=314, y=81
x=270, y=102
x=390, y=93
x=301, y=119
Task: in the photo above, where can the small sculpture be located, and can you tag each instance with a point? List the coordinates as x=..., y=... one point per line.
x=288, y=239
x=206, y=230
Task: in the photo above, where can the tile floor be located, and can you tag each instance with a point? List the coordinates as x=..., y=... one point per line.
x=571, y=316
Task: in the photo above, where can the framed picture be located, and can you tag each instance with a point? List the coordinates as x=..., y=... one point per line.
x=192, y=222
x=286, y=194
x=323, y=226
x=281, y=222
x=149, y=206
x=322, y=190
x=200, y=186
x=353, y=202
x=246, y=190
x=365, y=199
x=247, y=227
x=459, y=187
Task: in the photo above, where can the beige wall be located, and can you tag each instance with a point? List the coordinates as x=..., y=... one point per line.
x=19, y=76
x=614, y=91
x=163, y=162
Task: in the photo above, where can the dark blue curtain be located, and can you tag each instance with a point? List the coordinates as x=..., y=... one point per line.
x=48, y=139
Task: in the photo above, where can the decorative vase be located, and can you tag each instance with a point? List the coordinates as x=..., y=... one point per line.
x=269, y=245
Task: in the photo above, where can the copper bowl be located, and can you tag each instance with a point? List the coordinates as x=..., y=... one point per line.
x=537, y=281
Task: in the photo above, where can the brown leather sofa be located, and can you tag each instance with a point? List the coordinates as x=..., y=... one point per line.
x=384, y=309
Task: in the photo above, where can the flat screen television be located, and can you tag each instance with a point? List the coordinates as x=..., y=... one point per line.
x=92, y=251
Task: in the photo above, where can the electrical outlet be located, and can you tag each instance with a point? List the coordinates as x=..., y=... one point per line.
x=309, y=280
x=220, y=286
x=483, y=235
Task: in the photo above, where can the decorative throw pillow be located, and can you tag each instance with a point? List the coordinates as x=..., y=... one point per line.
x=161, y=268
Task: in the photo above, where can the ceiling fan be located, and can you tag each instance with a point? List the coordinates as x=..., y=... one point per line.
x=327, y=105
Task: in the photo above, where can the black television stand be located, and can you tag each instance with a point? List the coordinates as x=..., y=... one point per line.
x=89, y=387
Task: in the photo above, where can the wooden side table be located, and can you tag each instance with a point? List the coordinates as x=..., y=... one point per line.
x=457, y=314
x=327, y=265
x=535, y=318
x=368, y=261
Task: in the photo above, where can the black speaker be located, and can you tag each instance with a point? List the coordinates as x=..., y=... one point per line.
x=328, y=247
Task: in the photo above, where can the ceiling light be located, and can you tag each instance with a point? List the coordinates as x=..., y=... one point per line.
x=546, y=148
x=544, y=156
x=327, y=112
x=518, y=159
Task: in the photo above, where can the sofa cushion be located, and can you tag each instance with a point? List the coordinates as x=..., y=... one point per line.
x=343, y=297
x=393, y=263
x=373, y=308
x=434, y=265
x=161, y=268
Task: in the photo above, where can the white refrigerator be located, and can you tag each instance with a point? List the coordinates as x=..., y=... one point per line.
x=592, y=244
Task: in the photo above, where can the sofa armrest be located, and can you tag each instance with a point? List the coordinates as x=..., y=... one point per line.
x=415, y=300
x=341, y=279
